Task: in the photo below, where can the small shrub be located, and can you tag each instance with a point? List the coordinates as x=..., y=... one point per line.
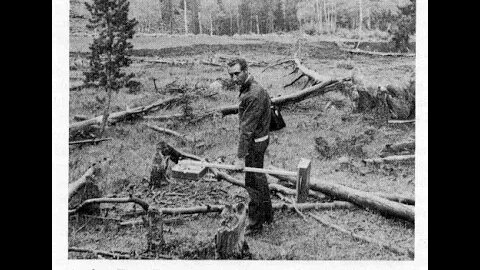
x=346, y=64
x=133, y=86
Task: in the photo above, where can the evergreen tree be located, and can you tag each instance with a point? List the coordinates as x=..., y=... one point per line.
x=110, y=47
x=405, y=26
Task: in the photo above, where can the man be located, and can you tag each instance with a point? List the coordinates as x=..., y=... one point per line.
x=254, y=122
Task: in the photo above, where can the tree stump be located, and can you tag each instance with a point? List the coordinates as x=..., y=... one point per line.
x=158, y=174
x=230, y=238
x=154, y=226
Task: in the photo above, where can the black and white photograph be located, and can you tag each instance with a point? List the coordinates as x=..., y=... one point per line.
x=242, y=134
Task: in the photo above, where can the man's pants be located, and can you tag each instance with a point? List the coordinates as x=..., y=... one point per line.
x=260, y=205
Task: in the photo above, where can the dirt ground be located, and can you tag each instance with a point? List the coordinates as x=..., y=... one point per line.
x=132, y=149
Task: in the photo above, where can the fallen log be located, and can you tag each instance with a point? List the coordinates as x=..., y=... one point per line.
x=276, y=206
x=390, y=247
x=93, y=141
x=210, y=63
x=315, y=206
x=400, y=121
x=312, y=91
x=76, y=185
x=390, y=159
x=182, y=137
x=360, y=198
x=398, y=148
x=99, y=252
x=169, y=221
x=116, y=255
x=119, y=116
x=358, y=51
x=397, y=198
x=138, y=201
x=288, y=191
x=313, y=77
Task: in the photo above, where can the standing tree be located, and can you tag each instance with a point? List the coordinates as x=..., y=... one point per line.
x=405, y=26
x=110, y=47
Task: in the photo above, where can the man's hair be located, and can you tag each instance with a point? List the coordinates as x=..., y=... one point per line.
x=241, y=61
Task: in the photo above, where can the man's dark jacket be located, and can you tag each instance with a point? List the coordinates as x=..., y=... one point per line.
x=254, y=114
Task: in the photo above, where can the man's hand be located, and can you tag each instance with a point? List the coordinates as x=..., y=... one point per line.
x=239, y=164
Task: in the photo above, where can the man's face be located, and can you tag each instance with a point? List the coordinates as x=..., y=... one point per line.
x=237, y=75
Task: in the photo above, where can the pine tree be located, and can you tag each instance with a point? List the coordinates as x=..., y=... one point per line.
x=405, y=26
x=110, y=47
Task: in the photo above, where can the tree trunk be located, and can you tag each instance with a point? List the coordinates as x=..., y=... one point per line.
x=361, y=198
x=105, y=112
x=258, y=25
x=82, y=190
x=185, y=16
x=238, y=24
x=230, y=238
x=325, y=13
x=211, y=25
x=319, y=16
x=360, y=21
x=160, y=17
x=158, y=173
x=231, y=25
x=199, y=23
x=75, y=186
x=369, y=19
x=335, y=17
x=154, y=235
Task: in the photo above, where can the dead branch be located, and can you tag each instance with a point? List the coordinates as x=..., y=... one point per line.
x=99, y=252
x=171, y=132
x=116, y=255
x=401, y=121
x=119, y=116
x=360, y=198
x=93, y=141
x=398, y=148
x=288, y=191
x=312, y=76
x=140, y=221
x=138, y=201
x=358, y=51
x=390, y=159
x=276, y=206
x=397, y=250
x=210, y=64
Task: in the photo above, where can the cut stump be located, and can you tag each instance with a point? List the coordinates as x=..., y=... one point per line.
x=154, y=225
x=230, y=238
